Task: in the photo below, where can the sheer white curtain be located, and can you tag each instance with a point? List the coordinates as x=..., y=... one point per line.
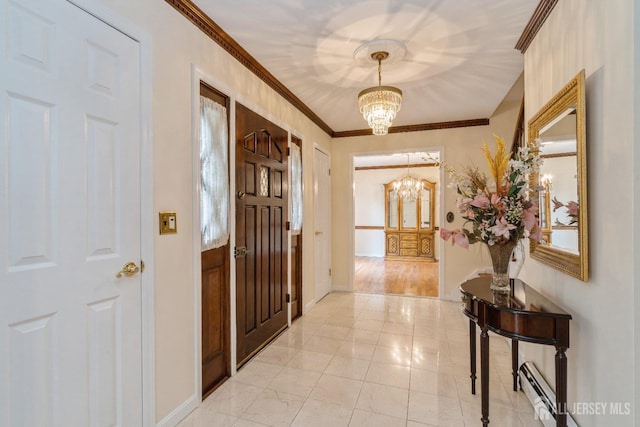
x=214, y=177
x=296, y=188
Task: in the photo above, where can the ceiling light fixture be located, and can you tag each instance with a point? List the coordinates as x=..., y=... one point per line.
x=380, y=104
x=408, y=188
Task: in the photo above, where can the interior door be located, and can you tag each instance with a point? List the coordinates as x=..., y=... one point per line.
x=322, y=222
x=261, y=235
x=70, y=337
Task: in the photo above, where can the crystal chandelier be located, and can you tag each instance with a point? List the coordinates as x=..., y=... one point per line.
x=380, y=104
x=408, y=188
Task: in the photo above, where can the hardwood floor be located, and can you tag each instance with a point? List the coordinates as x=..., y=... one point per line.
x=380, y=276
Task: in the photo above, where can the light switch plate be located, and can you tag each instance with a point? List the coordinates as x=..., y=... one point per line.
x=168, y=223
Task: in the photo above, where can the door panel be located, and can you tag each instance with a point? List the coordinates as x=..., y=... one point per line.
x=215, y=315
x=296, y=276
x=261, y=206
x=70, y=340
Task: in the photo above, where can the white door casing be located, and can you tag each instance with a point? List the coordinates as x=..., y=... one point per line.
x=70, y=346
x=322, y=223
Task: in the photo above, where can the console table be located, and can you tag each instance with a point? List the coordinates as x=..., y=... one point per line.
x=522, y=315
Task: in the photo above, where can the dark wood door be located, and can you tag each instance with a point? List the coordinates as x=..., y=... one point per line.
x=215, y=305
x=296, y=261
x=261, y=212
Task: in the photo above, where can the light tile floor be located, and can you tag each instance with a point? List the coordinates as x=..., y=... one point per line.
x=364, y=360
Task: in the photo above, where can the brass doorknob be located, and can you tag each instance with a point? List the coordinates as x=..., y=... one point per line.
x=129, y=269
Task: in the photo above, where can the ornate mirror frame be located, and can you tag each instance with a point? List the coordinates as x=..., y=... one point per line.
x=573, y=263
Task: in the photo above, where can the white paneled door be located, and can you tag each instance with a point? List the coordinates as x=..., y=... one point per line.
x=70, y=330
x=322, y=223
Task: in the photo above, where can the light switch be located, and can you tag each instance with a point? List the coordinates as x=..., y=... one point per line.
x=168, y=223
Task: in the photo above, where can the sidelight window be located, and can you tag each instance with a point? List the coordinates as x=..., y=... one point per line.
x=214, y=176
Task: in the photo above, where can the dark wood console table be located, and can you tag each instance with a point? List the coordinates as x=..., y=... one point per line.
x=522, y=315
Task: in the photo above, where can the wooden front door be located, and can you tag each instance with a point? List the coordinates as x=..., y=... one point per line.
x=216, y=364
x=261, y=236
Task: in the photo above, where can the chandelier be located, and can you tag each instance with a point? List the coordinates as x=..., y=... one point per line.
x=408, y=188
x=380, y=104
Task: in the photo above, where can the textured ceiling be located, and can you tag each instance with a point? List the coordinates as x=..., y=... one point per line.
x=459, y=65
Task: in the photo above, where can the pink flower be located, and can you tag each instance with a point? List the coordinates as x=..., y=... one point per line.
x=496, y=200
x=536, y=234
x=572, y=208
x=445, y=234
x=470, y=214
x=480, y=201
x=460, y=239
x=529, y=218
x=502, y=228
x=464, y=203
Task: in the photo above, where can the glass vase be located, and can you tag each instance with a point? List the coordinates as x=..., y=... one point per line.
x=500, y=258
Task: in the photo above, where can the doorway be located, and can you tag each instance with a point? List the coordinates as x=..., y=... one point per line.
x=395, y=250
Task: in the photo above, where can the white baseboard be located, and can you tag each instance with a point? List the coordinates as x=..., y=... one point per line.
x=180, y=413
x=309, y=306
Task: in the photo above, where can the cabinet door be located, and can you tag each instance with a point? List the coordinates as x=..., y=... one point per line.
x=391, y=209
x=426, y=245
x=426, y=207
x=409, y=210
x=392, y=244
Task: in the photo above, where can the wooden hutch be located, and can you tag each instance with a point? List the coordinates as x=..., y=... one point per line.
x=409, y=225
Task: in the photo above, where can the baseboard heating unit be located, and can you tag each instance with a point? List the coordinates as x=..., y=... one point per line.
x=541, y=396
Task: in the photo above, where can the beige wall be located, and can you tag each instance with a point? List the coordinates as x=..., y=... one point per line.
x=459, y=146
x=599, y=37
x=176, y=46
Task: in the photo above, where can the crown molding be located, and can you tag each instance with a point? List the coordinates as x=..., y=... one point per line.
x=217, y=34
x=540, y=15
x=416, y=128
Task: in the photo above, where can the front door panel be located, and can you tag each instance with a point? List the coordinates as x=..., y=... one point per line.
x=261, y=209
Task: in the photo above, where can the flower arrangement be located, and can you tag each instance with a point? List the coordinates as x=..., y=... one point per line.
x=500, y=211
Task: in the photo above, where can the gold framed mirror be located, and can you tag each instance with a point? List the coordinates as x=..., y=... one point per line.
x=561, y=185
